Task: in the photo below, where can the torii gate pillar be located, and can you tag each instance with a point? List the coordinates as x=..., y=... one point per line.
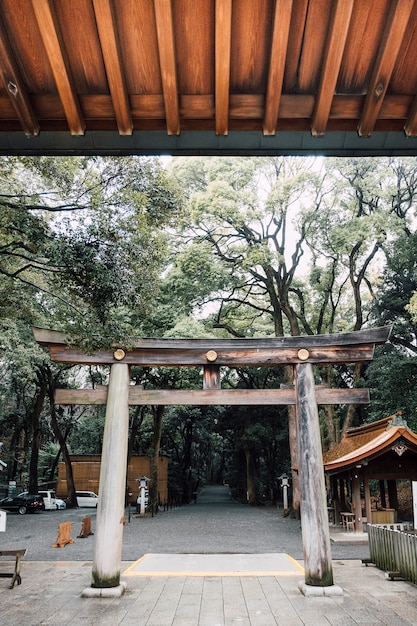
x=110, y=510
x=314, y=516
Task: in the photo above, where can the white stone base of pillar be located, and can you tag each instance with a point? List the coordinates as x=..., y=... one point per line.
x=311, y=591
x=105, y=592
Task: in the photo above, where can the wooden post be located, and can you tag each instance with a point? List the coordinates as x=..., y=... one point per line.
x=110, y=510
x=382, y=494
x=367, y=492
x=336, y=500
x=356, y=501
x=392, y=494
x=314, y=518
x=211, y=377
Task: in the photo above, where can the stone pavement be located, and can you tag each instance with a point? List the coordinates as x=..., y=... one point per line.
x=51, y=587
x=50, y=594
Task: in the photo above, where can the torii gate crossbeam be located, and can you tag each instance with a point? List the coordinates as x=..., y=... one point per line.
x=210, y=354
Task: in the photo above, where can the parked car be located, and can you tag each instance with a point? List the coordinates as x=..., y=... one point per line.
x=87, y=498
x=23, y=503
x=60, y=504
x=49, y=499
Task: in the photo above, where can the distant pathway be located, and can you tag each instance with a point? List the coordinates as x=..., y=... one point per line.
x=217, y=524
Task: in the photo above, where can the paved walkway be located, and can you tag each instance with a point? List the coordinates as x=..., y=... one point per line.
x=51, y=587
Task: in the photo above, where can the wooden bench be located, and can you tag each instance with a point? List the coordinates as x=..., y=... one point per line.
x=15, y=576
x=348, y=520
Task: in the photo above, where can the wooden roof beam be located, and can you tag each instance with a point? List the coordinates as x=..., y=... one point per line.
x=166, y=45
x=228, y=358
x=335, y=44
x=223, y=33
x=281, y=28
x=110, y=46
x=233, y=397
x=377, y=336
x=15, y=89
x=54, y=46
x=397, y=21
x=410, y=127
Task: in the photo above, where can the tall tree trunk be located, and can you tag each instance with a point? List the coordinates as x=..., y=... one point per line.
x=186, y=463
x=348, y=421
x=36, y=436
x=158, y=412
x=55, y=462
x=250, y=471
x=15, y=448
x=330, y=425
x=293, y=437
x=54, y=466
x=327, y=374
x=71, y=497
x=135, y=425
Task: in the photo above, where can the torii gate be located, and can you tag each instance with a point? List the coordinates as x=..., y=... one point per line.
x=301, y=352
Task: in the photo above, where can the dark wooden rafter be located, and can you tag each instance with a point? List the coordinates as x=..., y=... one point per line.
x=256, y=71
x=109, y=41
x=335, y=44
x=223, y=33
x=397, y=21
x=15, y=88
x=55, y=50
x=410, y=127
x=280, y=32
x=166, y=46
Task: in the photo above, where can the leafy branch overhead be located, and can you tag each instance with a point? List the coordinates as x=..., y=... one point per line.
x=92, y=247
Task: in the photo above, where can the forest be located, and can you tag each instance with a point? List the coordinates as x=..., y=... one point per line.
x=112, y=249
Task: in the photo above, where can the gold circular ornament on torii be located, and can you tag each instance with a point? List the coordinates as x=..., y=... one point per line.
x=303, y=354
x=119, y=354
x=211, y=356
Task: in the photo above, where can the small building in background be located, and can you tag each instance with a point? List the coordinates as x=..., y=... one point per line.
x=364, y=470
x=86, y=473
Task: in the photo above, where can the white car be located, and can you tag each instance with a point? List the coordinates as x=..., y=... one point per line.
x=87, y=499
x=60, y=504
x=49, y=499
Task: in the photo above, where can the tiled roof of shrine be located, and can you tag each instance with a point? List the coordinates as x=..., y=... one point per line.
x=369, y=441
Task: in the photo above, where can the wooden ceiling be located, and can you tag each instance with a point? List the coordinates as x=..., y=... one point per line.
x=208, y=76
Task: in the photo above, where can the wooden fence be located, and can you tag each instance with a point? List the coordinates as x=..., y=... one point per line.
x=394, y=549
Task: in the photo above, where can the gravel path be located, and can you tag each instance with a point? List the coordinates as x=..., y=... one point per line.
x=215, y=524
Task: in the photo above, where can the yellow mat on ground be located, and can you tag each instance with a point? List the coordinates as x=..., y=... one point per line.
x=270, y=564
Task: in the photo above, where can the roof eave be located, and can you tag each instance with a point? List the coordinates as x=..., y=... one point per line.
x=368, y=453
